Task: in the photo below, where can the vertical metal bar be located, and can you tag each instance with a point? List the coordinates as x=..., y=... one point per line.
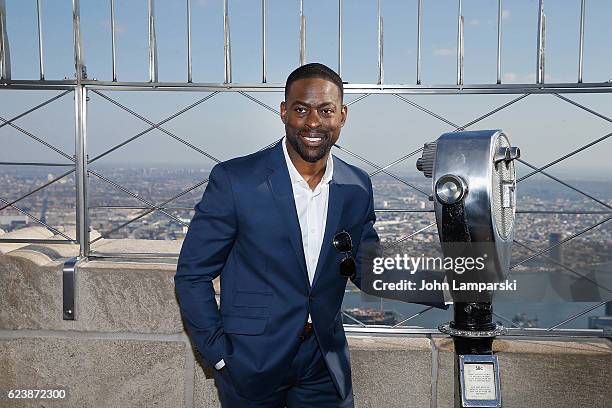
x=152, y=43
x=459, y=45
x=302, y=34
x=581, y=50
x=69, y=286
x=113, y=30
x=81, y=174
x=79, y=60
x=5, y=55
x=340, y=21
x=381, y=71
x=419, y=31
x=462, y=51
x=227, y=51
x=229, y=48
x=544, y=48
x=540, y=53
x=263, y=41
x=499, y=39
x=41, y=64
x=80, y=108
x=189, y=73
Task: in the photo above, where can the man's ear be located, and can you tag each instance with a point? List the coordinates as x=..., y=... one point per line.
x=283, y=112
x=344, y=114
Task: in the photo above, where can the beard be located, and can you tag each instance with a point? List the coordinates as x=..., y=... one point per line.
x=307, y=153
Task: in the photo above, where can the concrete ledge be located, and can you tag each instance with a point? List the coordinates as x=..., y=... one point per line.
x=94, y=373
x=555, y=374
x=446, y=366
x=111, y=370
x=127, y=246
x=550, y=372
x=23, y=233
x=30, y=295
x=391, y=371
x=110, y=296
x=128, y=297
x=205, y=394
x=128, y=347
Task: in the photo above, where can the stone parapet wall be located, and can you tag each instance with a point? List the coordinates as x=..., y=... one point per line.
x=127, y=347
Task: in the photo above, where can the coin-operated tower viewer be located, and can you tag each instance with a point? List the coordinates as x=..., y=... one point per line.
x=474, y=195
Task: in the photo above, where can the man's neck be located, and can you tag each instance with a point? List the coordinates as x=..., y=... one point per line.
x=311, y=172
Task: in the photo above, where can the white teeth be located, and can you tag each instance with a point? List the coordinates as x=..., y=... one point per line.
x=312, y=139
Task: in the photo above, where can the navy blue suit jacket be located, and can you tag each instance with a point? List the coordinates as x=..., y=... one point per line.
x=246, y=229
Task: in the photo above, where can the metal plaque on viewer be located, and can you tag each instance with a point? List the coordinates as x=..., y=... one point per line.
x=479, y=376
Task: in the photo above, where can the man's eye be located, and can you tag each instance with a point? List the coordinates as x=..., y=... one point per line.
x=300, y=110
x=328, y=111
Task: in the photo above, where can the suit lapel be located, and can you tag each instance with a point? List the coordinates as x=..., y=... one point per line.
x=334, y=211
x=280, y=185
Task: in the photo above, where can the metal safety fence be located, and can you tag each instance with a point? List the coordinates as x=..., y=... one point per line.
x=82, y=88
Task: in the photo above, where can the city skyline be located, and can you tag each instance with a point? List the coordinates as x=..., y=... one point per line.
x=230, y=125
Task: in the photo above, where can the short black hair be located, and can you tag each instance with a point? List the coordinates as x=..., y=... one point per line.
x=315, y=70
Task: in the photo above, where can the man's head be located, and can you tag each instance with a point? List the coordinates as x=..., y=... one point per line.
x=313, y=112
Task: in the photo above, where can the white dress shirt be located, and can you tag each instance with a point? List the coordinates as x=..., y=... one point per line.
x=311, y=207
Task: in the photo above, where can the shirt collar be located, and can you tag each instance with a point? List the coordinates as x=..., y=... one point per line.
x=295, y=175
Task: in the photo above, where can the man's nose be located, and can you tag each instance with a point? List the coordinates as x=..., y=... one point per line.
x=313, y=120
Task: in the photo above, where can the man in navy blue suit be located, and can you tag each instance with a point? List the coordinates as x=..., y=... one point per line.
x=283, y=228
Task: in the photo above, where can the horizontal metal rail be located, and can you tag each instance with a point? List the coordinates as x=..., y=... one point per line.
x=561, y=88
x=135, y=207
x=378, y=210
x=300, y=43
x=34, y=164
x=132, y=255
x=564, y=212
x=510, y=331
x=36, y=241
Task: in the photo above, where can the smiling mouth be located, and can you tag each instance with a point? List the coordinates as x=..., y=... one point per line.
x=313, y=139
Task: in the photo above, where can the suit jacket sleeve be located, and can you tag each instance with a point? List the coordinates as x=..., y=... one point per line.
x=208, y=242
x=370, y=247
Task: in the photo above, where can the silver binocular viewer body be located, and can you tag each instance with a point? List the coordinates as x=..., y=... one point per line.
x=474, y=184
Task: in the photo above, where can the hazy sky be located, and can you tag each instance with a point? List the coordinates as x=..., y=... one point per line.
x=381, y=127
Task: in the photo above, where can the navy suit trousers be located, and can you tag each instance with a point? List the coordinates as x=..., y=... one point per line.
x=307, y=384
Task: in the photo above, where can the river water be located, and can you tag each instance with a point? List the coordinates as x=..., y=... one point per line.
x=545, y=299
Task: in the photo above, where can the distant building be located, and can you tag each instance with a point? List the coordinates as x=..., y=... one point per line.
x=600, y=322
x=12, y=222
x=557, y=252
